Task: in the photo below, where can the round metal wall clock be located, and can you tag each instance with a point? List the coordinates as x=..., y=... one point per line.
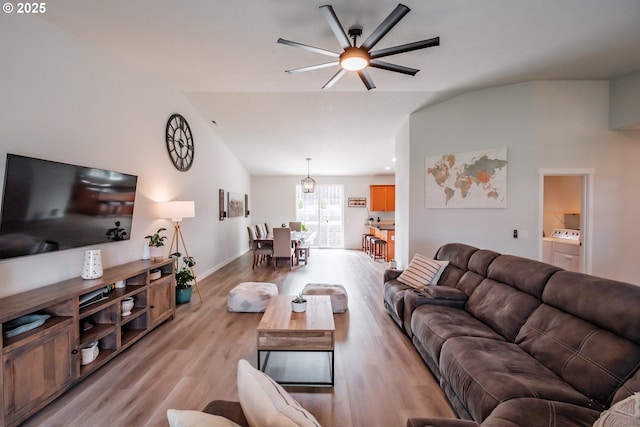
x=180, y=142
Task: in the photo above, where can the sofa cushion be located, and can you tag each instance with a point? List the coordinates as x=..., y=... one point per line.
x=266, y=404
x=531, y=412
x=524, y=274
x=484, y=372
x=609, y=304
x=421, y=271
x=458, y=256
x=502, y=307
x=574, y=350
x=432, y=325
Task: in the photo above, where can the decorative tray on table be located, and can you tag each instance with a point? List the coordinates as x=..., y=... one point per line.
x=23, y=324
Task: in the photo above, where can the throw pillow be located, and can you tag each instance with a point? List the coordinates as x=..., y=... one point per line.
x=624, y=413
x=178, y=418
x=443, y=265
x=266, y=404
x=420, y=271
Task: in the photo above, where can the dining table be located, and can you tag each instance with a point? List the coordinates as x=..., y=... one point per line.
x=297, y=239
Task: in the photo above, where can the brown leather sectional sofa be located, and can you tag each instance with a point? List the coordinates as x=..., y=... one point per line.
x=517, y=342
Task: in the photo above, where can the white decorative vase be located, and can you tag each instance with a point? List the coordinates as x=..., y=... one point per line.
x=156, y=252
x=90, y=352
x=145, y=252
x=127, y=306
x=92, y=264
x=298, y=307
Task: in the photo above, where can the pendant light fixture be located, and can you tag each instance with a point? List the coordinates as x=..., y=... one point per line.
x=308, y=183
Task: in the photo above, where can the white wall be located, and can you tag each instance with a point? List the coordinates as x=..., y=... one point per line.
x=499, y=117
x=559, y=124
x=63, y=101
x=403, y=194
x=624, y=102
x=273, y=201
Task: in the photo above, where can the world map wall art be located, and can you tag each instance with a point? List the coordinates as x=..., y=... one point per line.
x=476, y=179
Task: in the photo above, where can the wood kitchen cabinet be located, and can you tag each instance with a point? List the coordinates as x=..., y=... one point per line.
x=383, y=198
x=40, y=364
x=390, y=237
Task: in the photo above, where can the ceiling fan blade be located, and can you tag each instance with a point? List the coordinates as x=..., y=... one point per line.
x=408, y=47
x=388, y=23
x=309, y=48
x=375, y=63
x=366, y=79
x=335, y=78
x=336, y=26
x=313, y=67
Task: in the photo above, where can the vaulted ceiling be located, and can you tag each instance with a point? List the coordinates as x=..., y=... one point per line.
x=224, y=57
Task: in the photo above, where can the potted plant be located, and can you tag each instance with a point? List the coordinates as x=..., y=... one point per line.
x=184, y=278
x=116, y=233
x=156, y=242
x=299, y=303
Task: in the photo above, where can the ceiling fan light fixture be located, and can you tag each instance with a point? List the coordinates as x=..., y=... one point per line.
x=354, y=59
x=308, y=184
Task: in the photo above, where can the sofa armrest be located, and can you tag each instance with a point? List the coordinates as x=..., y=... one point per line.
x=439, y=422
x=434, y=295
x=390, y=274
x=230, y=410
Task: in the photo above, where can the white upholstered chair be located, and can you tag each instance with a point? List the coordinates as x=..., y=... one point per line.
x=261, y=231
x=295, y=226
x=282, y=247
x=260, y=253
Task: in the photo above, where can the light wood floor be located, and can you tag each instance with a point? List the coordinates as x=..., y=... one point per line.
x=380, y=379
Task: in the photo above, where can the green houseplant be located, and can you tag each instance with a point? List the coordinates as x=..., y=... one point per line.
x=156, y=242
x=299, y=303
x=184, y=277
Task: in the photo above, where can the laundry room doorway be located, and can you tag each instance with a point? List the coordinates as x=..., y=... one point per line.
x=565, y=218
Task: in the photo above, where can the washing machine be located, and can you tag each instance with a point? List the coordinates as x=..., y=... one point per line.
x=562, y=249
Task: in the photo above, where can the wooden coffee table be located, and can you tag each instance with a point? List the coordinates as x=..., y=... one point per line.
x=282, y=330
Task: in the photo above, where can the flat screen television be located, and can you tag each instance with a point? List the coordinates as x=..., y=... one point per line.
x=51, y=206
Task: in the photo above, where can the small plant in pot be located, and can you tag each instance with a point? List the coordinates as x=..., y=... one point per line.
x=156, y=243
x=299, y=303
x=184, y=278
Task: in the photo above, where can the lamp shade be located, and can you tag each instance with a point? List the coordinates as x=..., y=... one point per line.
x=354, y=59
x=177, y=210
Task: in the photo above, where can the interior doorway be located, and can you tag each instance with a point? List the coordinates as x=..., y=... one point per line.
x=565, y=208
x=322, y=212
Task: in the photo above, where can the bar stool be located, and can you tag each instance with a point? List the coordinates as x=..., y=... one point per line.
x=364, y=242
x=379, y=250
x=370, y=240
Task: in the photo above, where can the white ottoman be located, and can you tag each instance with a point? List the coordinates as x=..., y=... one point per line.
x=251, y=297
x=338, y=294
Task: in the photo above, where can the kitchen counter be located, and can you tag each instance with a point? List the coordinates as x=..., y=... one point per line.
x=389, y=227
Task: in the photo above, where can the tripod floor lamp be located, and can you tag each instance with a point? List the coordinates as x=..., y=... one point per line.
x=177, y=211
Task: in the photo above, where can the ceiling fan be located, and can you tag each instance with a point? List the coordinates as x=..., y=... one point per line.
x=358, y=58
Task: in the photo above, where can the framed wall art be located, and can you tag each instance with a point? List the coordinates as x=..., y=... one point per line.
x=221, y=204
x=236, y=204
x=476, y=179
x=357, y=202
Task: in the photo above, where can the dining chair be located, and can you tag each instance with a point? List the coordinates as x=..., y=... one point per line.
x=260, y=252
x=260, y=232
x=266, y=227
x=295, y=226
x=282, y=247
